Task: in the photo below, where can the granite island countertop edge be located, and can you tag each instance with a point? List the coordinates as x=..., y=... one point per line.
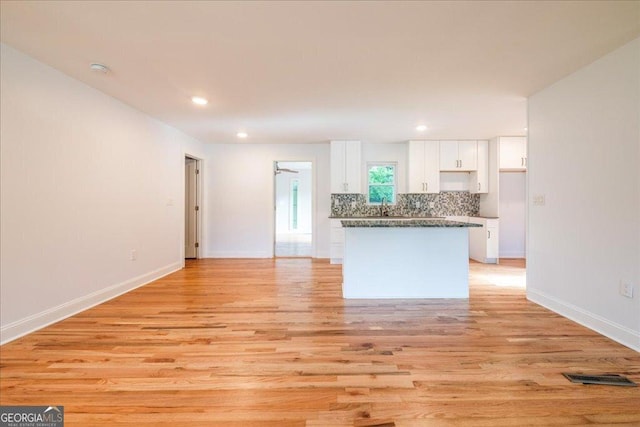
x=406, y=223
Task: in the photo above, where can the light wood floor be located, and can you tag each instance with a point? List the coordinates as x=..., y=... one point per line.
x=271, y=342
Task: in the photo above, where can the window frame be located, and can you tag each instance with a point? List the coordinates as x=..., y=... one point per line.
x=393, y=185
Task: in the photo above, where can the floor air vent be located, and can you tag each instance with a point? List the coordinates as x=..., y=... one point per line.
x=609, y=379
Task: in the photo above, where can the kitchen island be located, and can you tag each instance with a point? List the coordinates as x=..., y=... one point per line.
x=406, y=258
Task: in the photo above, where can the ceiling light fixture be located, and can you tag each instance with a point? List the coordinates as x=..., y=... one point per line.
x=199, y=100
x=421, y=128
x=99, y=68
x=242, y=135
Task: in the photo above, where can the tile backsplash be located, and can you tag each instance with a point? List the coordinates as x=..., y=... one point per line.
x=440, y=204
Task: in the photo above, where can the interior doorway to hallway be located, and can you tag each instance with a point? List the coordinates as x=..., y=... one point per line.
x=293, y=209
x=191, y=207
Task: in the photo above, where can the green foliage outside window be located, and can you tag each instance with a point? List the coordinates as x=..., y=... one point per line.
x=382, y=184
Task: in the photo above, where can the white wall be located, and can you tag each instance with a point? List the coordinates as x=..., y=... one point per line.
x=85, y=179
x=584, y=157
x=240, y=206
x=512, y=214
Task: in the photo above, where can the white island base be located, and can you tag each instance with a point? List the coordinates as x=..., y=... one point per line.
x=390, y=262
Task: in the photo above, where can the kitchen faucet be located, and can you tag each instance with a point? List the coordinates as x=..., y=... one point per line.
x=382, y=210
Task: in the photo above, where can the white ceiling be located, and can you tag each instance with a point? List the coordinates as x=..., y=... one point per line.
x=302, y=72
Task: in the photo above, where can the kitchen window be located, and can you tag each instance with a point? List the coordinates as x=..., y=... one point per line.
x=381, y=183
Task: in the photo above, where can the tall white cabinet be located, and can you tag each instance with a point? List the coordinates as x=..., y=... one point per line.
x=513, y=153
x=345, y=167
x=423, y=167
x=479, y=179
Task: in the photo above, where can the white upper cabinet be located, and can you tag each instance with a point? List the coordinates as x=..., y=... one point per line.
x=479, y=180
x=424, y=167
x=468, y=153
x=345, y=167
x=513, y=153
x=458, y=156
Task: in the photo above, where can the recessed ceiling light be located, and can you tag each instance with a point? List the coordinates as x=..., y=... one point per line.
x=242, y=135
x=99, y=68
x=421, y=128
x=199, y=100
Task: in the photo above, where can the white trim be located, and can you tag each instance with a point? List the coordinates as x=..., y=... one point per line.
x=272, y=215
x=517, y=254
x=52, y=315
x=395, y=180
x=239, y=254
x=619, y=333
x=201, y=203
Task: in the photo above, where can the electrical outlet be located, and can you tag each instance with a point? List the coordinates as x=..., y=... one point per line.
x=432, y=205
x=133, y=255
x=626, y=289
x=418, y=204
x=538, y=199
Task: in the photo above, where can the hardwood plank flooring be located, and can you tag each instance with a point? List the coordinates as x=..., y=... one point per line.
x=272, y=343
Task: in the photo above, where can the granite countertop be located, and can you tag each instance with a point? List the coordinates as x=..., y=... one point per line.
x=392, y=217
x=405, y=223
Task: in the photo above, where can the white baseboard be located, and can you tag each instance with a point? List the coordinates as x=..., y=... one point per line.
x=625, y=336
x=239, y=254
x=52, y=315
x=512, y=255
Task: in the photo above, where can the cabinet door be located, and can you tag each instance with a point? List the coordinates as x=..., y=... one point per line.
x=468, y=155
x=338, y=164
x=478, y=242
x=352, y=167
x=345, y=167
x=415, y=178
x=449, y=160
x=336, y=248
x=513, y=153
x=492, y=242
x=479, y=180
x=432, y=166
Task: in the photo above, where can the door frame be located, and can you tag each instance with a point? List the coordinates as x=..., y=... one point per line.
x=313, y=204
x=199, y=202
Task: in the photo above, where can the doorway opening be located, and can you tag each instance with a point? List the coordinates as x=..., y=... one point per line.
x=293, y=209
x=512, y=207
x=191, y=207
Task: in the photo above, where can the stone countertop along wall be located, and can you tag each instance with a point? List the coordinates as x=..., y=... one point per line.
x=460, y=203
x=407, y=223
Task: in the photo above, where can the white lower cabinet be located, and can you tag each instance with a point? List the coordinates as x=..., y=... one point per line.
x=336, y=243
x=483, y=241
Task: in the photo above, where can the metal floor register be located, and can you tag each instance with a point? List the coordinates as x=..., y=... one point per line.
x=609, y=379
